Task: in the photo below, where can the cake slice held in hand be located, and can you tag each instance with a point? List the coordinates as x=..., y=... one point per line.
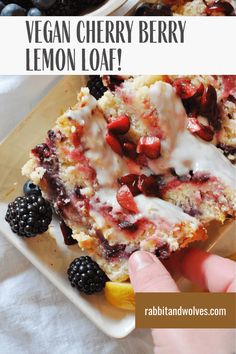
x=86, y=181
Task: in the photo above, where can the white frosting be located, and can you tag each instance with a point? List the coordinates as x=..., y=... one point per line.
x=108, y=196
x=187, y=152
x=194, y=154
x=108, y=165
x=87, y=104
x=155, y=208
x=171, y=114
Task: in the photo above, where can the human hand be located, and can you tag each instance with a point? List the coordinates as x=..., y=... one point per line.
x=211, y=272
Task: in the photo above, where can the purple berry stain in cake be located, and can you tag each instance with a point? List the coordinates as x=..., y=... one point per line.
x=163, y=252
x=128, y=226
x=113, y=81
x=111, y=252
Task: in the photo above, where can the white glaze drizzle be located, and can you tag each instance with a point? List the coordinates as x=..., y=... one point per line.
x=171, y=116
x=86, y=105
x=189, y=152
x=108, y=165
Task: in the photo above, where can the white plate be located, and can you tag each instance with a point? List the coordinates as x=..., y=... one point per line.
x=48, y=251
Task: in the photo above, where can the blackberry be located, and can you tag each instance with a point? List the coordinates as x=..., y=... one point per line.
x=86, y=275
x=96, y=86
x=29, y=215
x=64, y=8
x=31, y=188
x=163, y=252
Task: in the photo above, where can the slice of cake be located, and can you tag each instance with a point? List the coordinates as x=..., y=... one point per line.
x=170, y=136
x=87, y=183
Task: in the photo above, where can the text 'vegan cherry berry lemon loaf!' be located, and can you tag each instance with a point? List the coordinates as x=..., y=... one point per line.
x=174, y=126
x=111, y=205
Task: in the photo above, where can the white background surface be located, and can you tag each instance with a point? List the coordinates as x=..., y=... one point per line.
x=35, y=318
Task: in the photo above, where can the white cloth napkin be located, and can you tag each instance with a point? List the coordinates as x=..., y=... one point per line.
x=35, y=318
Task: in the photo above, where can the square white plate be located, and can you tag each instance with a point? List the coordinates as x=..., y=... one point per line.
x=48, y=251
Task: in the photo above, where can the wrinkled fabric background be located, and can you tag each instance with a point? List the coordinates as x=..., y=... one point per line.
x=35, y=318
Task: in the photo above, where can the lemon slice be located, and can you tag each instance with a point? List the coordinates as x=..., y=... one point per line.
x=120, y=295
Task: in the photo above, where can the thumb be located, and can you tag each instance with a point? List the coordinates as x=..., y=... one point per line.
x=147, y=274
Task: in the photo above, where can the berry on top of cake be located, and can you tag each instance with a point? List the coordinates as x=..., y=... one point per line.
x=176, y=119
x=107, y=200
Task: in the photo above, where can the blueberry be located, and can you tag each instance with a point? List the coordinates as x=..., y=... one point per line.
x=13, y=10
x=30, y=188
x=2, y=5
x=43, y=4
x=34, y=12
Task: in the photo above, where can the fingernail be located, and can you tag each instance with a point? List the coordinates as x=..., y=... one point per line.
x=140, y=260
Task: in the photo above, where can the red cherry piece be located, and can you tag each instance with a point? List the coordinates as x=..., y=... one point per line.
x=114, y=143
x=219, y=6
x=149, y=185
x=75, y=137
x=203, y=131
x=209, y=98
x=130, y=150
x=208, y=107
x=131, y=181
x=199, y=91
x=126, y=199
x=184, y=88
x=120, y=125
x=150, y=146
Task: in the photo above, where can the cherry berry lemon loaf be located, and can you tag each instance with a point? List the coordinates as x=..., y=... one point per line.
x=111, y=202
